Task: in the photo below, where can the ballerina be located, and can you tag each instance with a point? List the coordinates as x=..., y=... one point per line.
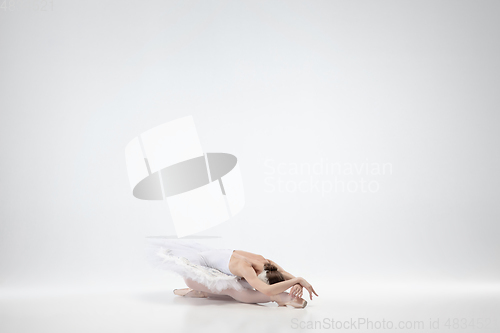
x=244, y=276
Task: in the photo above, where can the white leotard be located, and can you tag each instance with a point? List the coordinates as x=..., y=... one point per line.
x=218, y=259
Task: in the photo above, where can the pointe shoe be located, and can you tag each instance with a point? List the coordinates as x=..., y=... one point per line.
x=295, y=302
x=188, y=292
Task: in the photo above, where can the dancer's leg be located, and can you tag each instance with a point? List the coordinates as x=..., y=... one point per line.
x=245, y=296
x=188, y=292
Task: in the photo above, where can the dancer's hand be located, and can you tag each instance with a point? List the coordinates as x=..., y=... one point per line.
x=296, y=290
x=308, y=286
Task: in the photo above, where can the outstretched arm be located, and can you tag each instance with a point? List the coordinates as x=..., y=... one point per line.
x=269, y=290
x=296, y=290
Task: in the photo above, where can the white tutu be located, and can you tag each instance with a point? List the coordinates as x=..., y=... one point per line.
x=183, y=257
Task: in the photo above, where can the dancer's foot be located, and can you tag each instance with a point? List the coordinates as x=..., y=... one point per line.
x=285, y=299
x=188, y=292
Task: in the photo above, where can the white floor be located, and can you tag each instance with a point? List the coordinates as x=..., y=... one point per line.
x=440, y=307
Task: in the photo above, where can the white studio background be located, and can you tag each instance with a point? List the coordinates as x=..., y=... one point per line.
x=408, y=88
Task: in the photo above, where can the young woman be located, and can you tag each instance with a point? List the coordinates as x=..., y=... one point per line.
x=245, y=276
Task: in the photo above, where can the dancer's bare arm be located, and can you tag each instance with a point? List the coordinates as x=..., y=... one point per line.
x=273, y=289
x=296, y=290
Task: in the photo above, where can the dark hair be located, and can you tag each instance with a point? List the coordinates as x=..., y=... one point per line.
x=272, y=274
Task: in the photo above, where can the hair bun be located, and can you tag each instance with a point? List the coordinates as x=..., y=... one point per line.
x=270, y=267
